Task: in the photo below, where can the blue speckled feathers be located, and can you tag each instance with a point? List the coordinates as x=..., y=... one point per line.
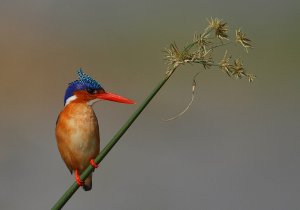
x=89, y=81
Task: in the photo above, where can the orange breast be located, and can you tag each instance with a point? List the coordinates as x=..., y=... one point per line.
x=77, y=135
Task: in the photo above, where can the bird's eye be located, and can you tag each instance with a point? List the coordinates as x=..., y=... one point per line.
x=91, y=91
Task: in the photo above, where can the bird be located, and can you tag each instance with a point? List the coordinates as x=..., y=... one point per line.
x=77, y=128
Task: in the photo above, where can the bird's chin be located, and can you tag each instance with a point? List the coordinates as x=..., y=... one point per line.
x=91, y=102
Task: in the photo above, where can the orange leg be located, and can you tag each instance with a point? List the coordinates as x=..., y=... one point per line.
x=92, y=162
x=77, y=178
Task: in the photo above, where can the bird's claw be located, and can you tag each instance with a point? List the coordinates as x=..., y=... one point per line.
x=78, y=180
x=95, y=165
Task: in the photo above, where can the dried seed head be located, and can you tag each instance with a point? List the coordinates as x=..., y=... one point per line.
x=238, y=69
x=251, y=77
x=219, y=27
x=225, y=65
x=242, y=39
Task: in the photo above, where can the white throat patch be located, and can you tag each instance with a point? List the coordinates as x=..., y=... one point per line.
x=70, y=99
x=91, y=102
x=73, y=98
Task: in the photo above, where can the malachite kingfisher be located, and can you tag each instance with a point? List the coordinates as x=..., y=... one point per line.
x=77, y=130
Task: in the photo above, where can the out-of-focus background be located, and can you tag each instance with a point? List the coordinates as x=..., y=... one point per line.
x=236, y=148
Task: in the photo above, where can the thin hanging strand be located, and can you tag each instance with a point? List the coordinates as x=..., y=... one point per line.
x=190, y=103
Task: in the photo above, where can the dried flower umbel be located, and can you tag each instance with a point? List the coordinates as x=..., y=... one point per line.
x=201, y=51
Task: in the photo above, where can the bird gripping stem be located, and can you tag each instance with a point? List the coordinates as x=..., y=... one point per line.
x=74, y=187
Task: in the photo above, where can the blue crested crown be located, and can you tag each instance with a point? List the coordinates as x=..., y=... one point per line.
x=84, y=82
x=88, y=80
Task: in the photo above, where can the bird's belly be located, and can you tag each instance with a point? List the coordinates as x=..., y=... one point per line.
x=84, y=141
x=78, y=139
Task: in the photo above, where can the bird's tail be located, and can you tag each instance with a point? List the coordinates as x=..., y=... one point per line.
x=87, y=186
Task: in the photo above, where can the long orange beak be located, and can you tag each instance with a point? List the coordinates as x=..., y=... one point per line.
x=114, y=97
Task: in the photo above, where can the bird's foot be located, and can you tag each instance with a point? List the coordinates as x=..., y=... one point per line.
x=77, y=178
x=92, y=162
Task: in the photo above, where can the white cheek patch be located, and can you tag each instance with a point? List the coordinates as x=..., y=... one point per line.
x=70, y=99
x=91, y=102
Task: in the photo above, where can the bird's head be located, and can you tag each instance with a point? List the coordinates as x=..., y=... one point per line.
x=88, y=90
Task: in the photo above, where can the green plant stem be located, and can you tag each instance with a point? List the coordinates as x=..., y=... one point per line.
x=73, y=188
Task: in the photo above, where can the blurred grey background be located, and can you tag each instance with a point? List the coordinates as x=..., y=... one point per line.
x=236, y=148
